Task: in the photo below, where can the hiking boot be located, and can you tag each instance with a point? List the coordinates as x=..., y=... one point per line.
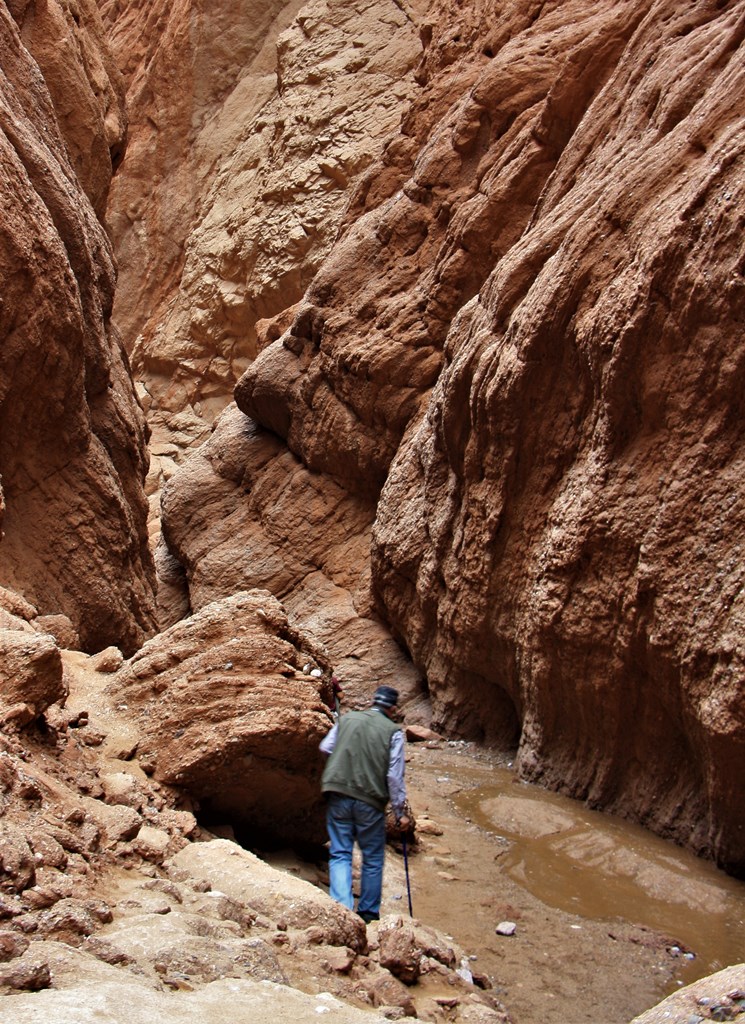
x=368, y=916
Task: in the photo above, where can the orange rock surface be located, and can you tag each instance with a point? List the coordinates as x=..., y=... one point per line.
x=248, y=122
x=528, y=341
x=72, y=437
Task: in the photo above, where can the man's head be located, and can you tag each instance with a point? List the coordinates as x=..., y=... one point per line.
x=385, y=698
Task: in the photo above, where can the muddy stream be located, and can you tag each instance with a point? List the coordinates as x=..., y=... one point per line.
x=609, y=918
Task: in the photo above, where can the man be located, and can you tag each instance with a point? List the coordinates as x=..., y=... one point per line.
x=365, y=768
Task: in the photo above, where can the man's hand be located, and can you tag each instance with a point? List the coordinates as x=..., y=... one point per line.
x=404, y=823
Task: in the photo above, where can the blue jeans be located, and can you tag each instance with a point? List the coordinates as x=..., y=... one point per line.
x=348, y=819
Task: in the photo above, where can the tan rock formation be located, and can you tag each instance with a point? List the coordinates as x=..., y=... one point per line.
x=530, y=332
x=243, y=512
x=241, y=876
x=248, y=122
x=721, y=995
x=72, y=443
x=30, y=676
x=229, y=711
x=89, y=990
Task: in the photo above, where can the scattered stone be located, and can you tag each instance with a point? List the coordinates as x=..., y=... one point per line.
x=57, y=881
x=28, y=788
x=61, y=628
x=384, y=990
x=399, y=952
x=72, y=842
x=69, y=915
x=48, y=851
x=76, y=816
x=12, y=945
x=31, y=676
x=168, y=888
x=106, y=951
x=340, y=960
x=10, y=906
x=40, y=898
x=122, y=788
x=17, y=865
x=152, y=844
x=392, y=1012
x=182, y=822
x=118, y=822
x=25, y=977
x=108, y=660
x=92, y=737
x=427, y=827
x=506, y=928
x=447, y=1002
x=420, y=733
x=722, y=1012
x=100, y=910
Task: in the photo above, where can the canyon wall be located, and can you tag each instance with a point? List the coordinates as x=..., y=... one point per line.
x=495, y=317
x=248, y=121
x=526, y=347
x=72, y=435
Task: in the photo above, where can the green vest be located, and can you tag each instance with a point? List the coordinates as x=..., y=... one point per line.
x=358, y=764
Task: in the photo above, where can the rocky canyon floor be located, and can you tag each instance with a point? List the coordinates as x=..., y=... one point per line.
x=116, y=897
x=609, y=918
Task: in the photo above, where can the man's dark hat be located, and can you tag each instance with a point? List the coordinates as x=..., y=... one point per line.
x=385, y=697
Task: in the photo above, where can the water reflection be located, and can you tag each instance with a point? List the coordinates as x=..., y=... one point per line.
x=601, y=867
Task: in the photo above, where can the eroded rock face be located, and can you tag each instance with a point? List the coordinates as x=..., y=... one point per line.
x=72, y=436
x=248, y=122
x=244, y=512
x=229, y=711
x=67, y=40
x=528, y=341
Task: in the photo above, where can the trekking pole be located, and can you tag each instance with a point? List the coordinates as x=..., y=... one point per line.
x=406, y=870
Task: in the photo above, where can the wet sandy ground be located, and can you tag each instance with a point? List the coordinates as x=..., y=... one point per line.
x=605, y=912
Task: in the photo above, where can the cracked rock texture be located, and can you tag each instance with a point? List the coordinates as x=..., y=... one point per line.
x=72, y=436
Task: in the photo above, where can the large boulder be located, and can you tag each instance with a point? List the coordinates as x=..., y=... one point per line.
x=293, y=902
x=31, y=676
x=229, y=711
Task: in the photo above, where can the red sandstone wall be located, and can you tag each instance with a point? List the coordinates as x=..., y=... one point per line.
x=72, y=437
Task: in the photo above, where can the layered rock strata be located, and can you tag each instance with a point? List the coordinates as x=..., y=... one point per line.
x=72, y=435
x=527, y=341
